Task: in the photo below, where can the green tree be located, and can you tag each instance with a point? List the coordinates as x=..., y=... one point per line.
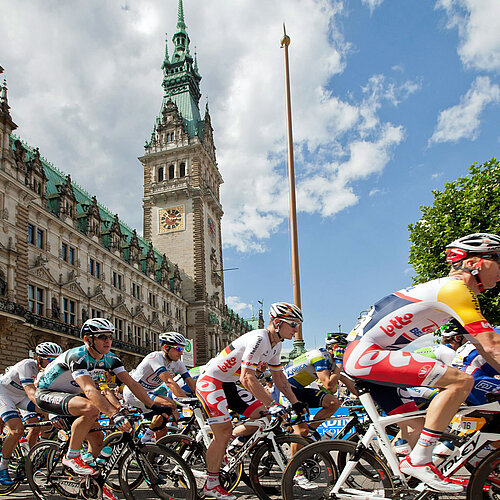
x=470, y=204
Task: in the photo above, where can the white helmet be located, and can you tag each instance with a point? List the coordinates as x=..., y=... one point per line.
x=48, y=350
x=472, y=244
x=95, y=326
x=286, y=312
x=172, y=338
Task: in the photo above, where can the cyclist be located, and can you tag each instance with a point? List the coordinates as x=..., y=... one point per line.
x=453, y=335
x=218, y=390
x=67, y=388
x=375, y=351
x=17, y=391
x=156, y=368
x=336, y=344
x=312, y=366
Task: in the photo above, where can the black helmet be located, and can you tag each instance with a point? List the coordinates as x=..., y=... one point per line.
x=336, y=338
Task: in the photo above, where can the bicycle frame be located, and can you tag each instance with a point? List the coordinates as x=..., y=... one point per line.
x=377, y=430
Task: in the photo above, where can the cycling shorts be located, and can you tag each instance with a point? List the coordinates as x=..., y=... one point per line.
x=54, y=402
x=219, y=397
x=313, y=397
x=394, y=368
x=393, y=400
x=10, y=402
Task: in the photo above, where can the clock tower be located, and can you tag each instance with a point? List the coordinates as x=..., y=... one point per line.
x=182, y=209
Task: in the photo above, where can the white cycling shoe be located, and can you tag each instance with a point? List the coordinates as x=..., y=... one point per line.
x=219, y=493
x=303, y=483
x=428, y=474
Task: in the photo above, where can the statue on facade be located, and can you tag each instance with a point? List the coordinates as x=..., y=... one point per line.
x=177, y=280
x=164, y=270
x=55, y=308
x=85, y=315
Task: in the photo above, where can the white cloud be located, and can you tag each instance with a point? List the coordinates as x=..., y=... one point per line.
x=242, y=308
x=476, y=21
x=372, y=4
x=92, y=88
x=462, y=120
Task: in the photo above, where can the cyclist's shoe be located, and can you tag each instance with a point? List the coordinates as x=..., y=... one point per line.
x=428, y=474
x=78, y=466
x=107, y=495
x=219, y=493
x=303, y=483
x=5, y=479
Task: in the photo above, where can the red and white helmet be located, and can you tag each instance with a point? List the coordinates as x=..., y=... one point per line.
x=479, y=244
x=286, y=312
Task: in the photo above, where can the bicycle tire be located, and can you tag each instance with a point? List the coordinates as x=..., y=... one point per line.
x=191, y=451
x=113, y=480
x=317, y=462
x=484, y=483
x=44, y=461
x=194, y=453
x=265, y=474
x=159, y=462
x=16, y=472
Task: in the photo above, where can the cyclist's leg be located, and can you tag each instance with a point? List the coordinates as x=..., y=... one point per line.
x=12, y=420
x=243, y=402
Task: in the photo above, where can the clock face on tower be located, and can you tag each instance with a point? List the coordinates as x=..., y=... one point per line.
x=171, y=219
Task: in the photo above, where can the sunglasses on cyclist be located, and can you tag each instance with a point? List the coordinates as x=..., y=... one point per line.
x=177, y=348
x=293, y=324
x=103, y=336
x=49, y=359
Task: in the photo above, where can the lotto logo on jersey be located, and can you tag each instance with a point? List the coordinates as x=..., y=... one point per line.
x=227, y=365
x=396, y=323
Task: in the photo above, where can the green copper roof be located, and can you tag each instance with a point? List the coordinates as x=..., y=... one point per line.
x=181, y=79
x=55, y=177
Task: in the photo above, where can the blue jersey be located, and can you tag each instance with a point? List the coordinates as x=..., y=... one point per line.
x=61, y=374
x=302, y=370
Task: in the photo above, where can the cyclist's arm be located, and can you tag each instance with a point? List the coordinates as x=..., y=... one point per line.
x=488, y=345
x=329, y=379
x=172, y=384
x=94, y=395
x=283, y=385
x=137, y=390
x=30, y=391
x=251, y=383
x=191, y=384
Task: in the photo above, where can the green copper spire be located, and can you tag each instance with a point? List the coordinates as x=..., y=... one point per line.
x=181, y=26
x=181, y=80
x=165, y=59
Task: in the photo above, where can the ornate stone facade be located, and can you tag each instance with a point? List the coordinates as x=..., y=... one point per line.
x=64, y=257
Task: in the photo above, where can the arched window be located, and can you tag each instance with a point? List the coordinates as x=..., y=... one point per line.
x=160, y=174
x=182, y=170
x=171, y=172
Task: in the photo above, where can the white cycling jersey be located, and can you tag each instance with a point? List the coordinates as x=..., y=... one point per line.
x=18, y=376
x=152, y=366
x=252, y=350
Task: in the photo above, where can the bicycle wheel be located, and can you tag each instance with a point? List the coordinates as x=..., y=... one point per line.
x=485, y=482
x=164, y=472
x=49, y=479
x=16, y=472
x=191, y=451
x=312, y=473
x=113, y=480
x=265, y=471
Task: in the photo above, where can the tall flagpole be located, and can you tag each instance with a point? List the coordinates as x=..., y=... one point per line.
x=298, y=344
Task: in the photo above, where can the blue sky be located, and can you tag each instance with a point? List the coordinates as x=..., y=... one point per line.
x=390, y=99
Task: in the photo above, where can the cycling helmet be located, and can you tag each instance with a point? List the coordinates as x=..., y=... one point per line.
x=172, y=338
x=473, y=244
x=95, y=326
x=336, y=338
x=286, y=312
x=451, y=329
x=48, y=350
